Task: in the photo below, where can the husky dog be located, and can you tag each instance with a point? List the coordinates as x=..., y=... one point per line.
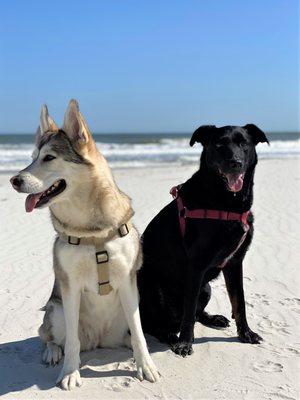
x=89, y=213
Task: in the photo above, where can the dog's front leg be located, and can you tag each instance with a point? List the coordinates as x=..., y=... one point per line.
x=129, y=299
x=70, y=376
x=191, y=293
x=233, y=274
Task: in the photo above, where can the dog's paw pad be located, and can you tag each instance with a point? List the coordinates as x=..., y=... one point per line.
x=220, y=321
x=52, y=354
x=147, y=370
x=249, y=336
x=214, y=321
x=183, y=349
x=69, y=381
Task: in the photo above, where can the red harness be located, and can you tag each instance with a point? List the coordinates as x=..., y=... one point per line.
x=184, y=213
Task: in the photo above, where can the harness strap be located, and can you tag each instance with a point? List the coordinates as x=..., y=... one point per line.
x=102, y=260
x=101, y=255
x=224, y=262
x=184, y=213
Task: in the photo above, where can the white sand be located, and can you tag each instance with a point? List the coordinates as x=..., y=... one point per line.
x=221, y=367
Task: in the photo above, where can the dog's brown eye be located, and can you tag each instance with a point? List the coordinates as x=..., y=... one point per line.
x=48, y=157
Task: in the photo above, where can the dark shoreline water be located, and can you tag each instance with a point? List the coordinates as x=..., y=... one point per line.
x=134, y=137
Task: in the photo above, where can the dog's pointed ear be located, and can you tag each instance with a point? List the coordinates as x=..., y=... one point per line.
x=258, y=136
x=47, y=124
x=74, y=125
x=38, y=135
x=202, y=134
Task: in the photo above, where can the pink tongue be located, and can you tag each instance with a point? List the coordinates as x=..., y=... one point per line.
x=31, y=201
x=235, y=182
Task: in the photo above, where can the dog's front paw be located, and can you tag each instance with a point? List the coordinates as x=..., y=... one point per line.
x=52, y=354
x=248, y=336
x=69, y=381
x=146, y=369
x=183, y=349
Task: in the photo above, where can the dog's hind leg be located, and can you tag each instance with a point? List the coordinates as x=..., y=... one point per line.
x=213, y=321
x=156, y=315
x=52, y=332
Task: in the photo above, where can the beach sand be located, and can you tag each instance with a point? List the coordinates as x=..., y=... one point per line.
x=221, y=367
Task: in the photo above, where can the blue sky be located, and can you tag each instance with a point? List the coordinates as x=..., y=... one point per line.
x=150, y=66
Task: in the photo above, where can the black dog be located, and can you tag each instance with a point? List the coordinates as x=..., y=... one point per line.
x=179, y=261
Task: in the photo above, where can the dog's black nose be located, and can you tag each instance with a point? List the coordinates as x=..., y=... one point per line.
x=16, y=182
x=236, y=163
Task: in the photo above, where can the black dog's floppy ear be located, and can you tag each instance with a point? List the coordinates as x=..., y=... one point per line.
x=202, y=134
x=257, y=134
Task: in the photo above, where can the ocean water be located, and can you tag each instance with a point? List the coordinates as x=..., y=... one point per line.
x=129, y=151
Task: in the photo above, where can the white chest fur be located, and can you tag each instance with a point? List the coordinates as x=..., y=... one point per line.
x=101, y=321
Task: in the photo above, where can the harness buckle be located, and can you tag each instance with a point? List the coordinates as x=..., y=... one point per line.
x=101, y=257
x=123, y=230
x=103, y=283
x=174, y=192
x=75, y=241
x=244, y=218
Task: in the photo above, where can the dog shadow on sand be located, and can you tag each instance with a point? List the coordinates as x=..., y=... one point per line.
x=21, y=365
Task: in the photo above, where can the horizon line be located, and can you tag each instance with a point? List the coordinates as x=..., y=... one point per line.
x=147, y=133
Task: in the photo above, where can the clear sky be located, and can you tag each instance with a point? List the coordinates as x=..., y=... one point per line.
x=150, y=66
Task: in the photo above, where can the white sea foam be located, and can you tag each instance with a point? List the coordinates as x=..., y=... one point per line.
x=162, y=152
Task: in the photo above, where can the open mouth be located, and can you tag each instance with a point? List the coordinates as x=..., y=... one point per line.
x=234, y=181
x=37, y=200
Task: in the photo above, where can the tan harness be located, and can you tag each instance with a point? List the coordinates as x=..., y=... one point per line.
x=101, y=255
